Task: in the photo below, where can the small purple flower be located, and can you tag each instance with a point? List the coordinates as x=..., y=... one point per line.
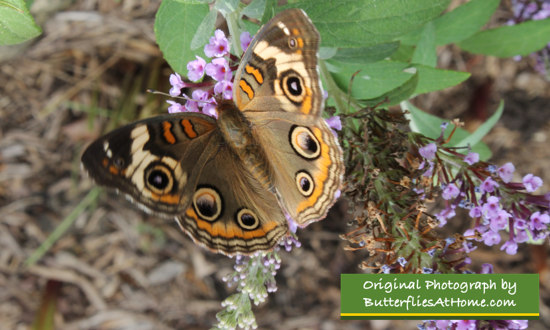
x=490, y=238
x=334, y=122
x=471, y=158
x=428, y=151
x=521, y=236
x=486, y=268
x=245, y=38
x=426, y=270
x=209, y=108
x=492, y=207
x=520, y=224
x=218, y=45
x=488, y=185
x=430, y=170
x=531, y=182
x=175, y=107
x=191, y=106
x=385, y=269
x=402, y=261
x=451, y=191
x=539, y=221
x=195, y=69
x=510, y=246
x=446, y=213
x=543, y=13
x=518, y=324
x=476, y=212
x=224, y=88
x=219, y=69
x=200, y=95
x=499, y=221
x=466, y=325
x=177, y=84
x=442, y=324
x=506, y=172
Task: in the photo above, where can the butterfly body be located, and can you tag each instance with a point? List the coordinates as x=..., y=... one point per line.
x=232, y=184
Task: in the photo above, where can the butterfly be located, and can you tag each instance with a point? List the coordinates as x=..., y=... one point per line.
x=233, y=184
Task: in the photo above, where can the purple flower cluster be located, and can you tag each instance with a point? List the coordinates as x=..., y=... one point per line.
x=204, y=96
x=527, y=10
x=473, y=324
x=494, y=212
x=496, y=204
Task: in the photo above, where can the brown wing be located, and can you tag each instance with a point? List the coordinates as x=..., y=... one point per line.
x=230, y=212
x=278, y=71
x=152, y=161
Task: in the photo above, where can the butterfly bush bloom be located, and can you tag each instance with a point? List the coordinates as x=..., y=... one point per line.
x=506, y=172
x=428, y=151
x=175, y=107
x=488, y=185
x=218, y=45
x=225, y=89
x=451, y=191
x=471, y=158
x=219, y=69
x=245, y=38
x=531, y=182
x=177, y=84
x=195, y=69
x=335, y=123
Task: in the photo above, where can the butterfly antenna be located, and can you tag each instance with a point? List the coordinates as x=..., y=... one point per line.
x=154, y=91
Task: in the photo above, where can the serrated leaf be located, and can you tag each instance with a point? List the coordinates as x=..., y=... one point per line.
x=508, y=41
x=255, y=9
x=365, y=55
x=361, y=23
x=17, y=24
x=425, y=50
x=369, y=81
x=205, y=30
x=432, y=79
x=175, y=26
x=458, y=24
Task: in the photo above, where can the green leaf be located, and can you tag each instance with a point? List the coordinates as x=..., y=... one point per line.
x=425, y=50
x=396, y=95
x=175, y=25
x=17, y=24
x=464, y=21
x=227, y=6
x=483, y=129
x=507, y=41
x=369, y=81
x=255, y=9
x=205, y=30
x=361, y=23
x=458, y=24
x=403, y=54
x=429, y=125
x=432, y=79
x=365, y=55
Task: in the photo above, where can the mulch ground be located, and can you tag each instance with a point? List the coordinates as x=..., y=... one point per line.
x=118, y=268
